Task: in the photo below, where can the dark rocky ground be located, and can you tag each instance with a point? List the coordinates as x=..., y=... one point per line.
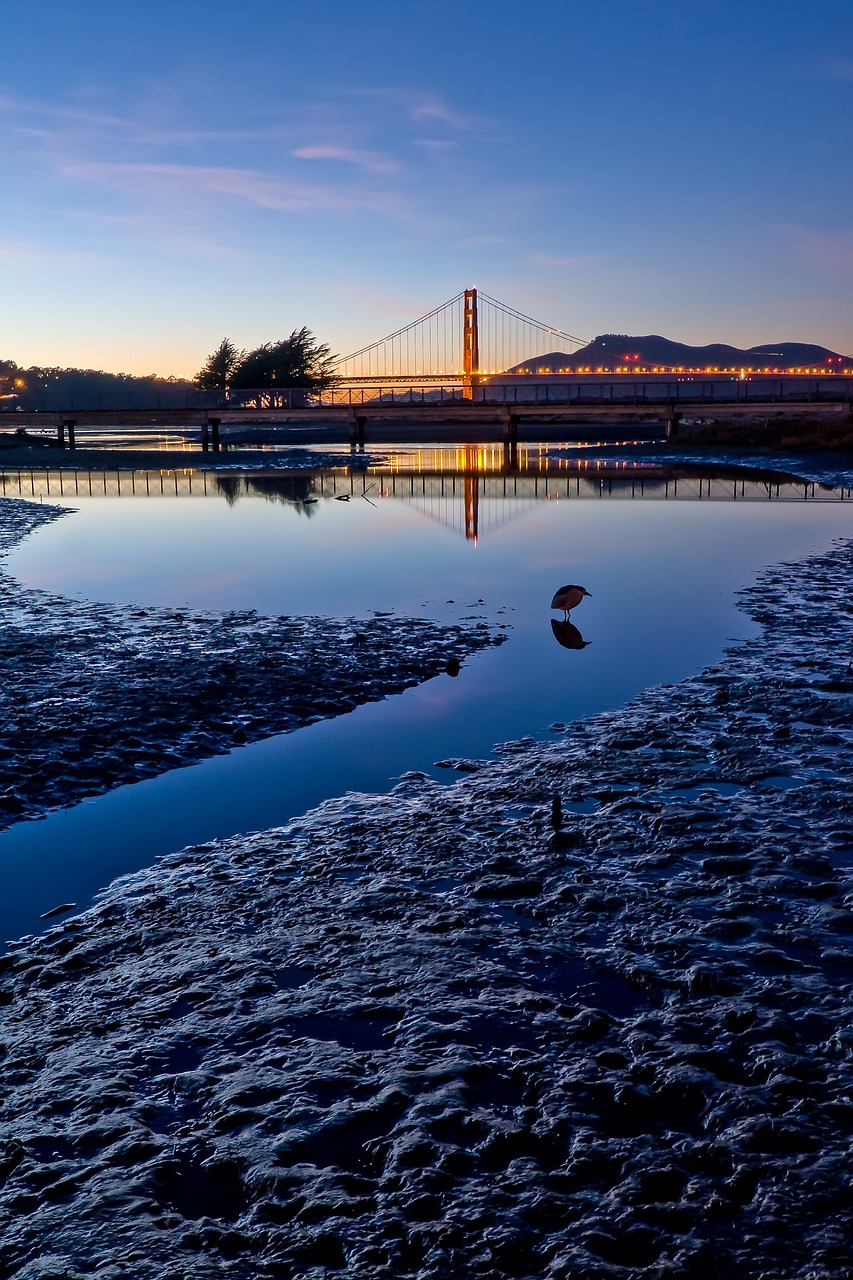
x=803, y=433
x=586, y=1013
x=93, y=695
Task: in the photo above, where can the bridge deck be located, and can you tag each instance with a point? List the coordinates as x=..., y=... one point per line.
x=455, y=413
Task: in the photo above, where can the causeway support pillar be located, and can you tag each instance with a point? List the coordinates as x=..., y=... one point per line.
x=673, y=418
x=70, y=425
x=359, y=422
x=205, y=436
x=214, y=434
x=509, y=422
x=60, y=434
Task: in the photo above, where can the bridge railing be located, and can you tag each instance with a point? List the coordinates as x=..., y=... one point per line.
x=579, y=390
x=598, y=391
x=72, y=399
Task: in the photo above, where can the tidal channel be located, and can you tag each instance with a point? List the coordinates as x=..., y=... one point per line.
x=662, y=553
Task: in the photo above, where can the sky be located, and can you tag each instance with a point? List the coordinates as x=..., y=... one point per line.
x=174, y=173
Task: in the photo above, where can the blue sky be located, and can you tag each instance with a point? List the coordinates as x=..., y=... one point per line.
x=177, y=172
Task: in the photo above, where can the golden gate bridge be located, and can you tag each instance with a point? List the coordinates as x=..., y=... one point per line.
x=469, y=337
x=473, y=338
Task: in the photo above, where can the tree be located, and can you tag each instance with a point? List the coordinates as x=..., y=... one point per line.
x=297, y=361
x=220, y=366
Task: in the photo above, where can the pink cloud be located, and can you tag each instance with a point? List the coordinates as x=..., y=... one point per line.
x=430, y=108
x=373, y=161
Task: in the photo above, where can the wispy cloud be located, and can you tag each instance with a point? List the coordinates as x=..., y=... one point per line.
x=374, y=152
x=372, y=161
x=29, y=109
x=421, y=108
x=27, y=254
x=432, y=109
x=250, y=185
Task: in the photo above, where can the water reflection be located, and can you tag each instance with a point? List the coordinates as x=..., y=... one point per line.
x=295, y=489
x=468, y=489
x=567, y=634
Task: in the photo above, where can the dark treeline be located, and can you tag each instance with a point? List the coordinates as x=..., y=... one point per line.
x=299, y=362
x=56, y=389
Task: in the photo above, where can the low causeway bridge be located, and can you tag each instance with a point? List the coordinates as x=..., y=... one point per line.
x=592, y=405
x=466, y=367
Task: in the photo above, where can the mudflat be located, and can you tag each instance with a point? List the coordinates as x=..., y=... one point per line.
x=585, y=1012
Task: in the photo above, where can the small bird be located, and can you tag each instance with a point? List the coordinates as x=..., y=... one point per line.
x=568, y=597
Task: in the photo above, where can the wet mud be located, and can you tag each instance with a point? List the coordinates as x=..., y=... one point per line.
x=584, y=1013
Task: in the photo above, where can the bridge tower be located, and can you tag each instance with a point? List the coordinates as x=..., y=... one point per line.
x=470, y=343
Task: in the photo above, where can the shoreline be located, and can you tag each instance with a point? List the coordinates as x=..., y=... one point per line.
x=93, y=695
x=443, y=1032
x=311, y=453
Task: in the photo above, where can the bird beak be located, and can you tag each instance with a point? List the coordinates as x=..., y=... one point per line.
x=588, y=593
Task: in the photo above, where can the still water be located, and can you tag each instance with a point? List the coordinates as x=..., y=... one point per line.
x=662, y=559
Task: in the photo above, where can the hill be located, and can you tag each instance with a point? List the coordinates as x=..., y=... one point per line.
x=610, y=350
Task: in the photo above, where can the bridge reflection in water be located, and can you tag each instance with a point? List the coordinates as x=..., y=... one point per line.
x=472, y=489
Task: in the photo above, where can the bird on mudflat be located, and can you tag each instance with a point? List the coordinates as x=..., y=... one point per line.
x=568, y=597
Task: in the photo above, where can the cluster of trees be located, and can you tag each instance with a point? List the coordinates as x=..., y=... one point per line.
x=298, y=361
x=56, y=388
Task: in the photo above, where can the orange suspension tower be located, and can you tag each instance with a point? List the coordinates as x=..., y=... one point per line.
x=470, y=343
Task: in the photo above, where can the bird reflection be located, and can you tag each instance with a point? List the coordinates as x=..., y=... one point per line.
x=567, y=634
x=567, y=598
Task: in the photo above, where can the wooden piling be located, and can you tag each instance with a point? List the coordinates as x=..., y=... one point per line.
x=509, y=423
x=357, y=428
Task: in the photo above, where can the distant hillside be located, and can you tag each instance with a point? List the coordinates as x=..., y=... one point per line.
x=612, y=349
